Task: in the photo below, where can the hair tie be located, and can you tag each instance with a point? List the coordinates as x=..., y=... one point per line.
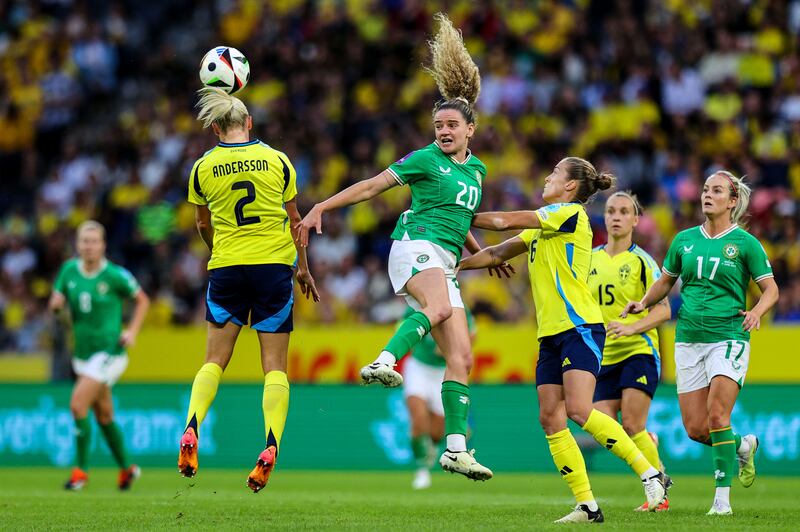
x=735, y=191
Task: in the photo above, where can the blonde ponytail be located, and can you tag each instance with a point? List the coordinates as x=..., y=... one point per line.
x=219, y=107
x=453, y=69
x=740, y=190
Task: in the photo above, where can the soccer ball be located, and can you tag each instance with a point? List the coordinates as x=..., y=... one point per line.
x=226, y=68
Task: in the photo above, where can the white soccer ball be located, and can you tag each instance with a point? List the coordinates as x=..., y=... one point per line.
x=226, y=68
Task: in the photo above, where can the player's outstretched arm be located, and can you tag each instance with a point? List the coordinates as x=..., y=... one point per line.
x=304, y=278
x=658, y=315
x=202, y=219
x=503, y=221
x=769, y=296
x=356, y=193
x=472, y=245
x=495, y=255
x=657, y=292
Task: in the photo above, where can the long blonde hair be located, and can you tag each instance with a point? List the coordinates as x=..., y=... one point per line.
x=454, y=71
x=738, y=189
x=219, y=107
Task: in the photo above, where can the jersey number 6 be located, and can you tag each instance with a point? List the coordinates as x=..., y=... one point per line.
x=241, y=219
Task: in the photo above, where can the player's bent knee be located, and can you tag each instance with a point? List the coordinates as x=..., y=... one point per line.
x=79, y=409
x=552, y=422
x=632, y=429
x=578, y=412
x=698, y=434
x=439, y=313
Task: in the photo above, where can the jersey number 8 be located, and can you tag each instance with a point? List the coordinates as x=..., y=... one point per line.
x=241, y=219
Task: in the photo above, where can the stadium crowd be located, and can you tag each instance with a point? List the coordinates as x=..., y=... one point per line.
x=96, y=121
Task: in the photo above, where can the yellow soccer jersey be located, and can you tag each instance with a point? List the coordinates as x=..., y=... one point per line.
x=558, y=264
x=245, y=187
x=614, y=281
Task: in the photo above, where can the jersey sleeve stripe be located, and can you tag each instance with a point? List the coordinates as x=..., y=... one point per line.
x=762, y=277
x=395, y=176
x=196, y=181
x=286, y=175
x=642, y=271
x=666, y=271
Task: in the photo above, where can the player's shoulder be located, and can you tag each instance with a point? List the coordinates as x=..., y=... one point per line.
x=644, y=255
x=263, y=147
x=598, y=249
x=570, y=208
x=475, y=162
x=744, y=235
x=117, y=269
x=208, y=154
x=70, y=265
x=692, y=233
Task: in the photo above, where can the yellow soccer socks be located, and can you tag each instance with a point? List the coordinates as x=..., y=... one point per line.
x=276, y=406
x=648, y=447
x=569, y=462
x=204, y=389
x=613, y=437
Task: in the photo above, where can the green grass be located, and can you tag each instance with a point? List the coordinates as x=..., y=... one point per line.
x=218, y=500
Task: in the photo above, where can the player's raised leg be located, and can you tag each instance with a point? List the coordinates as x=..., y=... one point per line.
x=567, y=455
x=104, y=412
x=84, y=394
x=219, y=349
x=275, y=402
x=452, y=337
x=429, y=289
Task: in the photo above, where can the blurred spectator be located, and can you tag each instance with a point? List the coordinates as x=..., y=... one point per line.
x=96, y=120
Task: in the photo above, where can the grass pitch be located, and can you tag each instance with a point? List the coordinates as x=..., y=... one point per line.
x=219, y=500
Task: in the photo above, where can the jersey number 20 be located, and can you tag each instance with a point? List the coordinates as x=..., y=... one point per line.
x=241, y=219
x=472, y=199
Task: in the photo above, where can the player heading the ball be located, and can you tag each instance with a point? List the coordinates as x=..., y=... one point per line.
x=245, y=196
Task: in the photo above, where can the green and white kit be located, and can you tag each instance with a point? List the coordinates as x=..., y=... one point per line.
x=715, y=273
x=431, y=234
x=95, y=304
x=423, y=371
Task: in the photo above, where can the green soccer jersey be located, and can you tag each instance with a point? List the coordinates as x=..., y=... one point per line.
x=95, y=304
x=426, y=351
x=444, y=196
x=714, y=273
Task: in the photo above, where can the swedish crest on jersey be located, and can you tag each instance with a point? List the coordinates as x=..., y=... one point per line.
x=730, y=250
x=624, y=273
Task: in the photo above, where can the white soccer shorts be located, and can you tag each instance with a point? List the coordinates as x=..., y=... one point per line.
x=101, y=367
x=696, y=364
x=424, y=381
x=408, y=257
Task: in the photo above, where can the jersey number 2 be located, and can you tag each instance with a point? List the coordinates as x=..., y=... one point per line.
x=241, y=219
